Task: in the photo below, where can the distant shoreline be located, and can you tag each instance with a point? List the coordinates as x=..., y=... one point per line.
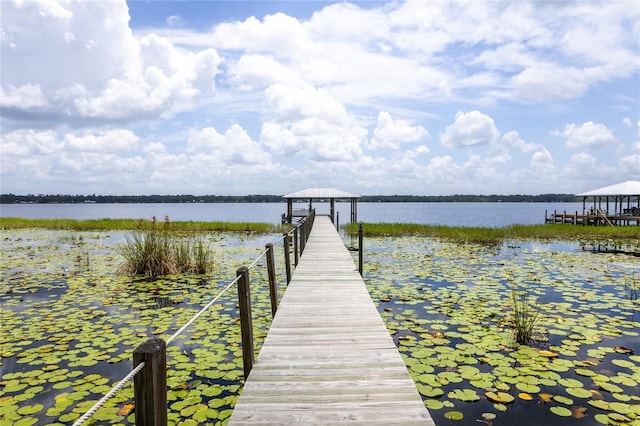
x=189, y=199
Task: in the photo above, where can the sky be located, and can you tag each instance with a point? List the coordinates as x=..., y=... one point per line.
x=415, y=97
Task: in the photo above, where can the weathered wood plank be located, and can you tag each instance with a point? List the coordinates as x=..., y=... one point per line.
x=328, y=358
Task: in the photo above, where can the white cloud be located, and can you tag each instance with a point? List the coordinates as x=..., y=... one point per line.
x=234, y=147
x=549, y=82
x=583, y=161
x=103, y=141
x=631, y=165
x=27, y=96
x=25, y=143
x=275, y=33
x=468, y=129
x=258, y=71
x=391, y=133
x=587, y=135
x=310, y=121
x=86, y=63
x=512, y=140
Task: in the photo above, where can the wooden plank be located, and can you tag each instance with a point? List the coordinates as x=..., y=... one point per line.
x=328, y=358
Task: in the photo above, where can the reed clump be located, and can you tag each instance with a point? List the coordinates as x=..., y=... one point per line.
x=155, y=251
x=525, y=314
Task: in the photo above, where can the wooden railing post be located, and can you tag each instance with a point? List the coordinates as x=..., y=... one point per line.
x=287, y=256
x=273, y=285
x=246, y=327
x=295, y=246
x=303, y=238
x=150, y=384
x=360, y=248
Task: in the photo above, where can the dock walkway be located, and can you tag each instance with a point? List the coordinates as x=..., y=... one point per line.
x=328, y=357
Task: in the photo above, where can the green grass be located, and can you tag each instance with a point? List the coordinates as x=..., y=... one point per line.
x=497, y=235
x=131, y=224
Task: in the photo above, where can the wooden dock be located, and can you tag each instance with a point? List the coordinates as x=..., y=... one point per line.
x=328, y=357
x=597, y=218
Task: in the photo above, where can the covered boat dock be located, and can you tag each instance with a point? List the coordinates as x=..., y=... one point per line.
x=319, y=195
x=611, y=205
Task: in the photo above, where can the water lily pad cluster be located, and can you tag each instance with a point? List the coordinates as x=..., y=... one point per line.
x=67, y=333
x=447, y=306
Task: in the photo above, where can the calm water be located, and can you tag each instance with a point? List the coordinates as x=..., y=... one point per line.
x=467, y=214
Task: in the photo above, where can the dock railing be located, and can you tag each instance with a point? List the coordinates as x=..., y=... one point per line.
x=149, y=372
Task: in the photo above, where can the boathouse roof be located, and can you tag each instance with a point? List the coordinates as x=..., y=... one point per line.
x=630, y=187
x=321, y=193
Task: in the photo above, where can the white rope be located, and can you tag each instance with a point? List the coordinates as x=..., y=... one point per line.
x=109, y=395
x=196, y=316
x=257, y=259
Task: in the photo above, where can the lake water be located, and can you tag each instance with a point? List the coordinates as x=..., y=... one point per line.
x=451, y=214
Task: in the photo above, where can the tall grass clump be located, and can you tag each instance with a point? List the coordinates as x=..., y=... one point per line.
x=526, y=314
x=155, y=251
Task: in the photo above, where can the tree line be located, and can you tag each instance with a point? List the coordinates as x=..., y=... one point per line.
x=187, y=198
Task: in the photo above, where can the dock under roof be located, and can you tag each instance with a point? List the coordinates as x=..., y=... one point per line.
x=319, y=194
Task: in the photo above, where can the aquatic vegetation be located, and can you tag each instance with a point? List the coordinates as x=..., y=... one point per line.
x=627, y=236
x=66, y=336
x=131, y=224
x=526, y=313
x=156, y=251
x=448, y=307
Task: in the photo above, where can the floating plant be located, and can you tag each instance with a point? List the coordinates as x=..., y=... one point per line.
x=449, y=308
x=68, y=328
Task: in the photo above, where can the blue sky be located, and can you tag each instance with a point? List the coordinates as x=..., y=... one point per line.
x=233, y=97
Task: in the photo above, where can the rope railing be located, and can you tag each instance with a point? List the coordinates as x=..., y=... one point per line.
x=86, y=416
x=156, y=414
x=202, y=311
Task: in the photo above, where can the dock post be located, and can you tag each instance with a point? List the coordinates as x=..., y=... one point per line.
x=338, y=221
x=273, y=285
x=295, y=246
x=150, y=384
x=287, y=257
x=360, y=248
x=244, y=299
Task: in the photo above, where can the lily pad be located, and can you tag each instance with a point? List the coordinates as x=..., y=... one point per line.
x=500, y=397
x=560, y=411
x=453, y=415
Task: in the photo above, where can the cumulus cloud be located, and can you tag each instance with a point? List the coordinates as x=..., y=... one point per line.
x=631, y=165
x=24, y=143
x=549, y=82
x=391, y=133
x=235, y=146
x=587, y=135
x=104, y=141
x=27, y=96
x=469, y=129
x=86, y=63
x=310, y=121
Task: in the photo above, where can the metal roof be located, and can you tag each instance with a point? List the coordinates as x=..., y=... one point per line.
x=630, y=187
x=321, y=193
